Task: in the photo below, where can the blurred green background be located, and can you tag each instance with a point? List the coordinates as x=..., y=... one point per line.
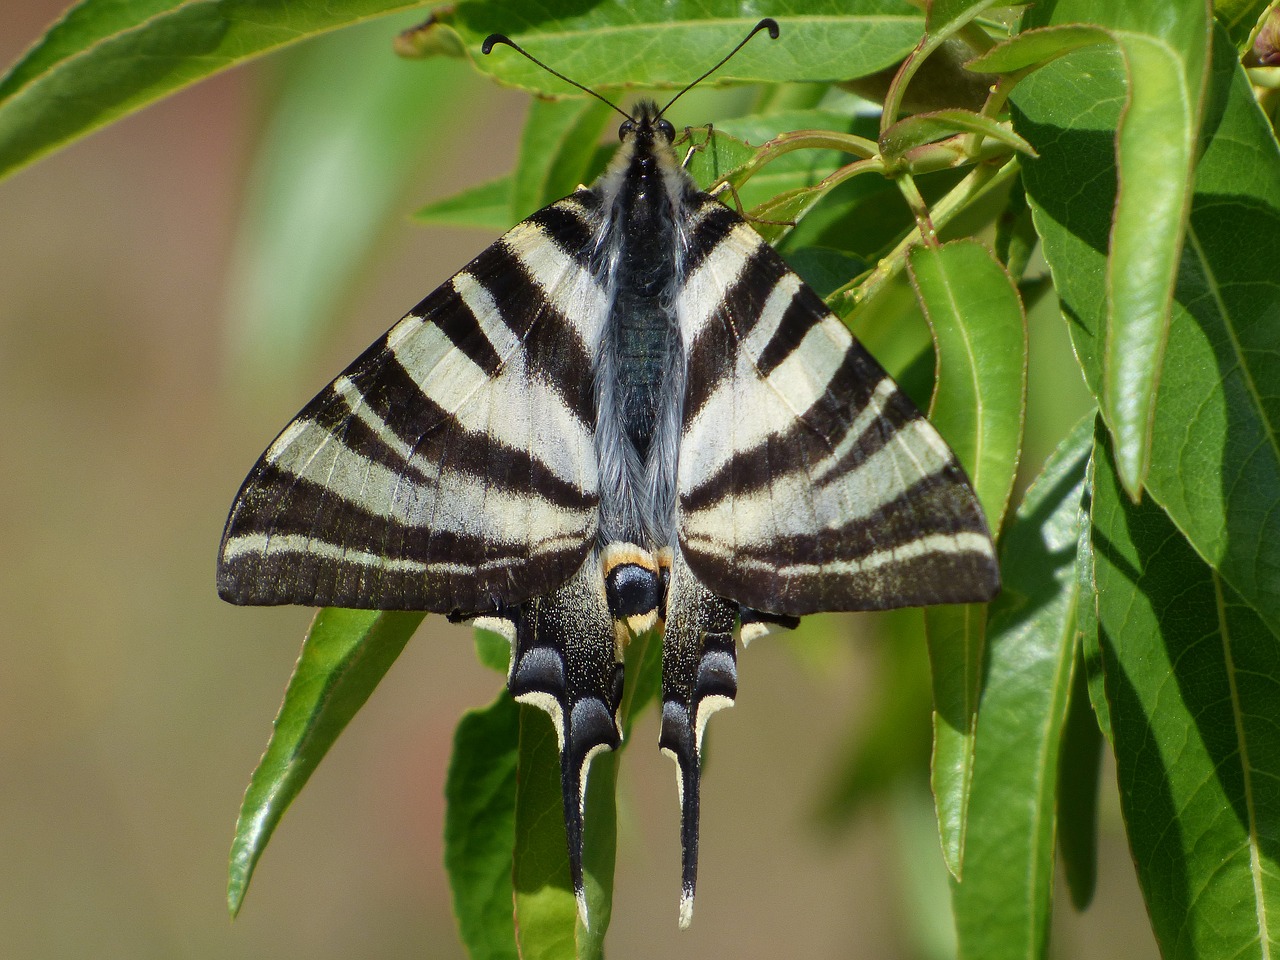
x=138, y=389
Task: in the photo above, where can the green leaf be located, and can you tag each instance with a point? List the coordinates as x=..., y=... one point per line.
x=343, y=140
x=978, y=406
x=1193, y=680
x=1037, y=47
x=106, y=58
x=651, y=45
x=557, y=150
x=1165, y=48
x=345, y=655
x=480, y=828
x=1002, y=903
x=486, y=206
x=979, y=402
x=1216, y=439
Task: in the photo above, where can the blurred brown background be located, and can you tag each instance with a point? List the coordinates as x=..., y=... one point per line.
x=134, y=704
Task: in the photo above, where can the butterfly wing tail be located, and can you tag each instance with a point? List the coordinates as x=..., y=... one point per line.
x=565, y=662
x=699, y=676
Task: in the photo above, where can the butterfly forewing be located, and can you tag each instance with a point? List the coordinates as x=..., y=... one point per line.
x=452, y=467
x=807, y=480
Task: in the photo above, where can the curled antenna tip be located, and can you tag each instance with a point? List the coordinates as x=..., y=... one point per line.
x=770, y=24
x=493, y=39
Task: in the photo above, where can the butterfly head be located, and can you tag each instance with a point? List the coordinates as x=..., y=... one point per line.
x=646, y=125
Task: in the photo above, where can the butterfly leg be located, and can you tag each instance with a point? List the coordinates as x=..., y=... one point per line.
x=699, y=677
x=565, y=660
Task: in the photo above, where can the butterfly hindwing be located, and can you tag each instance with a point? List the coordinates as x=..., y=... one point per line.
x=834, y=493
x=699, y=677
x=567, y=660
x=452, y=467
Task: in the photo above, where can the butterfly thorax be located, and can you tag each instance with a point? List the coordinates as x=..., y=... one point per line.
x=640, y=372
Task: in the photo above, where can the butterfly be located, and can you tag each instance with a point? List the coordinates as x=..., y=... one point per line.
x=626, y=414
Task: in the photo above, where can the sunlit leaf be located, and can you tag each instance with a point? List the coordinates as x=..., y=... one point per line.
x=978, y=406
x=345, y=655
x=106, y=58
x=609, y=44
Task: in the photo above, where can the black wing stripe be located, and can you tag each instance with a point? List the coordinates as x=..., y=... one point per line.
x=709, y=363
x=713, y=221
x=570, y=226
x=292, y=505
x=847, y=424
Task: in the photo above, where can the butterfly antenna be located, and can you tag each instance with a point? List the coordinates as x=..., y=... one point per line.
x=768, y=23
x=494, y=39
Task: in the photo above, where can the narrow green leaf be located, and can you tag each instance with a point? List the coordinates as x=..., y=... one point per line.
x=1165, y=50
x=1193, y=681
x=1002, y=904
x=1156, y=150
x=1079, y=773
x=1216, y=441
x=340, y=146
x=557, y=149
x=653, y=45
x=742, y=136
x=979, y=402
x=1037, y=47
x=978, y=326
x=106, y=58
x=486, y=206
x=921, y=128
x=345, y=655
x=480, y=828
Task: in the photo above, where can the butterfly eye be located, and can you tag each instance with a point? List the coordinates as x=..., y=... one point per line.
x=667, y=130
x=627, y=127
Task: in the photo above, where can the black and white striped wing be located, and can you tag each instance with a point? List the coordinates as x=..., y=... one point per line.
x=807, y=480
x=451, y=467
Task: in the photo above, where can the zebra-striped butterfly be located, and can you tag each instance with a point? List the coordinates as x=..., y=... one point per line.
x=626, y=413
